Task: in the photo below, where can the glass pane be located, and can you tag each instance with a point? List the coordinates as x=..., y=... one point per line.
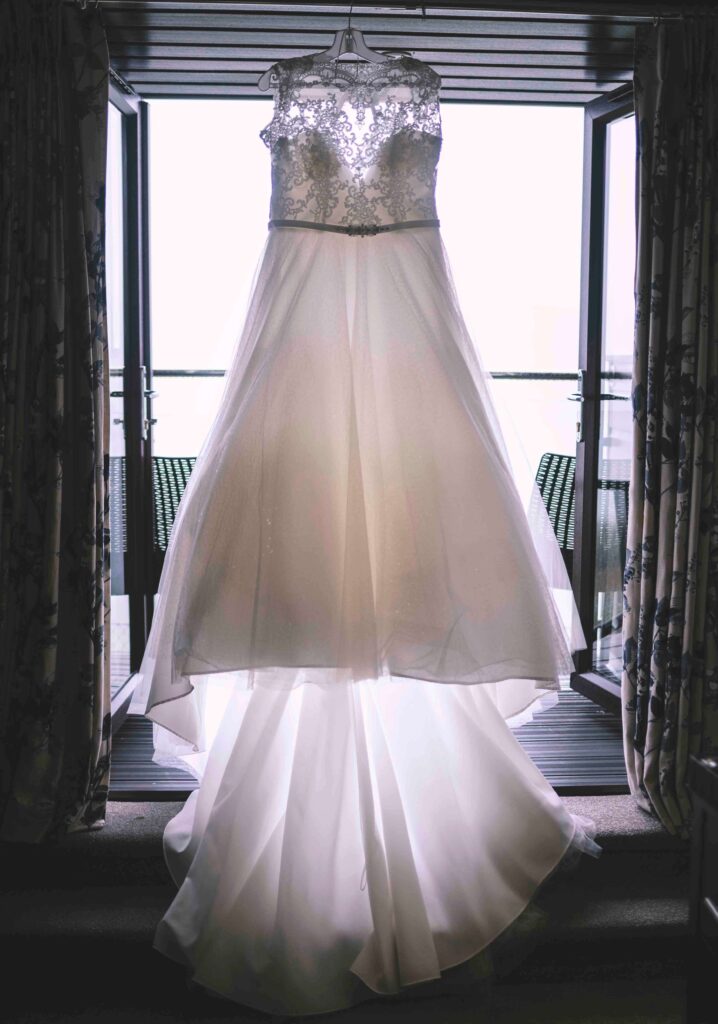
x=114, y=268
x=175, y=434
x=538, y=409
x=209, y=205
x=513, y=239
x=509, y=193
x=614, y=454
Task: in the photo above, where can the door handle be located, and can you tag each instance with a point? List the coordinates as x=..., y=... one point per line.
x=576, y=397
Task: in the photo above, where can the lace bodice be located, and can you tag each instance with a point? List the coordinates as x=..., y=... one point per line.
x=354, y=142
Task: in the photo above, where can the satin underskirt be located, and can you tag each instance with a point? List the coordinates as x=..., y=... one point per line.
x=362, y=593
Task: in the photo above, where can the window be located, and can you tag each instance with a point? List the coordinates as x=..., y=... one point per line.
x=511, y=197
x=513, y=236
x=209, y=205
x=616, y=421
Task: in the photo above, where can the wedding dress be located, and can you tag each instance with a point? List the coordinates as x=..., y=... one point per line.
x=362, y=592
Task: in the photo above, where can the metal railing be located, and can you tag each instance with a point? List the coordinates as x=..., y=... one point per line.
x=496, y=374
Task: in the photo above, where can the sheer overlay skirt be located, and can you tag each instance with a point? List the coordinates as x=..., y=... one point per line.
x=361, y=589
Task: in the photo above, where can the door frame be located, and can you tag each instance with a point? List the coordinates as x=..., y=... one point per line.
x=138, y=393
x=137, y=376
x=598, y=115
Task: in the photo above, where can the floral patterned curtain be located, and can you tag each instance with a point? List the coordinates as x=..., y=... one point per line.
x=670, y=630
x=54, y=426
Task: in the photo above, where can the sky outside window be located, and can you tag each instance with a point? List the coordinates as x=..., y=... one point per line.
x=509, y=200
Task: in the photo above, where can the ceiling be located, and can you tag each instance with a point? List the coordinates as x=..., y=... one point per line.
x=558, y=53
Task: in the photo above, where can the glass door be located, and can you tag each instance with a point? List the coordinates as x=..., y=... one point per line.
x=615, y=420
x=130, y=395
x=207, y=227
x=603, y=423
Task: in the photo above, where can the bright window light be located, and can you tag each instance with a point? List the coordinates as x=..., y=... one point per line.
x=509, y=199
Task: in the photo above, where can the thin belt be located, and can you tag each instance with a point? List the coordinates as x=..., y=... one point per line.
x=353, y=229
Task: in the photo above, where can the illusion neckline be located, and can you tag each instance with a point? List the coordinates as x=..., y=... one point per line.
x=360, y=71
x=335, y=63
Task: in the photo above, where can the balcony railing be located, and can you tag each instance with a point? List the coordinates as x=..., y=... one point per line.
x=496, y=374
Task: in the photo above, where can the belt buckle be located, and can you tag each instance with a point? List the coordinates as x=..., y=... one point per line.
x=363, y=229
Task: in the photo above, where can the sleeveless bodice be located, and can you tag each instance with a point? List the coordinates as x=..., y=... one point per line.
x=354, y=142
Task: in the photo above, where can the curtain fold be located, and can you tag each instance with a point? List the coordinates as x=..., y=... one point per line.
x=54, y=422
x=670, y=625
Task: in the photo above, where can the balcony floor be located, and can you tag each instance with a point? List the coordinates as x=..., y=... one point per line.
x=576, y=744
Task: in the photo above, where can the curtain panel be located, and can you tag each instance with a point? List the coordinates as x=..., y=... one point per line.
x=54, y=425
x=670, y=630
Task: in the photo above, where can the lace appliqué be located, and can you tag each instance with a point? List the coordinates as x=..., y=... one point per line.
x=354, y=142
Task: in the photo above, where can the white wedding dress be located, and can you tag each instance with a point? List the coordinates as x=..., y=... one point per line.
x=361, y=590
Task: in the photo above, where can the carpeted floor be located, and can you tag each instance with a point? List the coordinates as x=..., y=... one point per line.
x=82, y=915
x=623, y=1002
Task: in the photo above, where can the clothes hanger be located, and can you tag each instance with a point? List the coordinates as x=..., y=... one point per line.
x=346, y=40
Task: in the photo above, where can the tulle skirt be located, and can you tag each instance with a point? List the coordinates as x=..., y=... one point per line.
x=362, y=592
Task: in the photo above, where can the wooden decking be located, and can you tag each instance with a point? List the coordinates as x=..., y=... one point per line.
x=576, y=745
